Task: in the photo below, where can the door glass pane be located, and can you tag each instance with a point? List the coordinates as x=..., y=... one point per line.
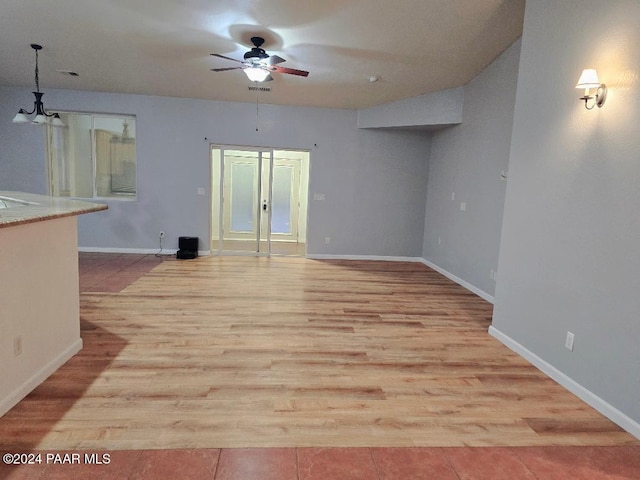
x=240, y=201
x=281, y=199
x=243, y=201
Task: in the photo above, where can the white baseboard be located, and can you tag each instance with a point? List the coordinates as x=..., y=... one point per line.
x=481, y=293
x=40, y=376
x=325, y=256
x=605, y=408
x=142, y=251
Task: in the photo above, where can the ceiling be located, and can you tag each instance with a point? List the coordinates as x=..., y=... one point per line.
x=162, y=47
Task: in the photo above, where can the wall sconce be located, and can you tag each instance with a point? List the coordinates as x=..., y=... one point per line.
x=589, y=79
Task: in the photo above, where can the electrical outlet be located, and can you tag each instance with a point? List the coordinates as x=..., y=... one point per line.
x=161, y=234
x=17, y=346
x=463, y=206
x=568, y=343
x=327, y=239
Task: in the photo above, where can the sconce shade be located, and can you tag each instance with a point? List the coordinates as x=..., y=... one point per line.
x=588, y=79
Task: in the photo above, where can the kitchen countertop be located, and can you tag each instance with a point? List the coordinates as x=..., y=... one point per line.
x=30, y=207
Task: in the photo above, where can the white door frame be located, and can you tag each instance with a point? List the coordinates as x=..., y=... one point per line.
x=261, y=207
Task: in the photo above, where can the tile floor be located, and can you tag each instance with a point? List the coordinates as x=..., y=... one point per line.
x=509, y=463
x=112, y=273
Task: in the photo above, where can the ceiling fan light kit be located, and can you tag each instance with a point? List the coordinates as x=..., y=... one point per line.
x=258, y=65
x=256, y=74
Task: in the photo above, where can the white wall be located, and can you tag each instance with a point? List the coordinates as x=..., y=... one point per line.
x=374, y=182
x=570, y=251
x=466, y=161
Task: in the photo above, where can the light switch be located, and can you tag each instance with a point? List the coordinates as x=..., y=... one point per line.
x=568, y=343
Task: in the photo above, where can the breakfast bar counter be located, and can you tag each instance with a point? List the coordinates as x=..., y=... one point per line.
x=17, y=208
x=39, y=293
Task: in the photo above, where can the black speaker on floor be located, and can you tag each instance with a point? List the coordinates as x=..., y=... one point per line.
x=188, y=247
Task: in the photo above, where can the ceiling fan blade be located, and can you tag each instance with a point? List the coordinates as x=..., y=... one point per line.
x=226, y=58
x=273, y=59
x=225, y=69
x=291, y=71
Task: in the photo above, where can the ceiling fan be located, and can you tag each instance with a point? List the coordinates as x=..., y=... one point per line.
x=258, y=65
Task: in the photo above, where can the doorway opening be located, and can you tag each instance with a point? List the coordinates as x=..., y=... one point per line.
x=259, y=199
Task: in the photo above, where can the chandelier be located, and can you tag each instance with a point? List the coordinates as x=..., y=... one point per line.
x=42, y=117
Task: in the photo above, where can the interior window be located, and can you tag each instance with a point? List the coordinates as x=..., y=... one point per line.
x=93, y=156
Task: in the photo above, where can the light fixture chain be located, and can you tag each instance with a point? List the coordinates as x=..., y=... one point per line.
x=37, y=79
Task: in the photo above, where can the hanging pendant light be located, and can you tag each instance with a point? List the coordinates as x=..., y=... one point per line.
x=42, y=117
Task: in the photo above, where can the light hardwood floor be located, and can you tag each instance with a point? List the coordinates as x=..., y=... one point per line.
x=250, y=246
x=255, y=352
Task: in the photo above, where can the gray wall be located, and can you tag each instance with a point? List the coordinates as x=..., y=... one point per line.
x=570, y=251
x=374, y=182
x=467, y=160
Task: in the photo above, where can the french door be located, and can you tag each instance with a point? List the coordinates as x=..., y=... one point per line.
x=256, y=201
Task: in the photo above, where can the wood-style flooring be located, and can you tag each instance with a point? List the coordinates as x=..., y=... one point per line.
x=226, y=352
x=250, y=246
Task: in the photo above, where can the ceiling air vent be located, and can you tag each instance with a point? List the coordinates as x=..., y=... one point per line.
x=68, y=72
x=259, y=89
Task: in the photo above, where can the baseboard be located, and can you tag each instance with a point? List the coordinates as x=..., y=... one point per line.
x=13, y=398
x=325, y=256
x=605, y=408
x=481, y=293
x=142, y=251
